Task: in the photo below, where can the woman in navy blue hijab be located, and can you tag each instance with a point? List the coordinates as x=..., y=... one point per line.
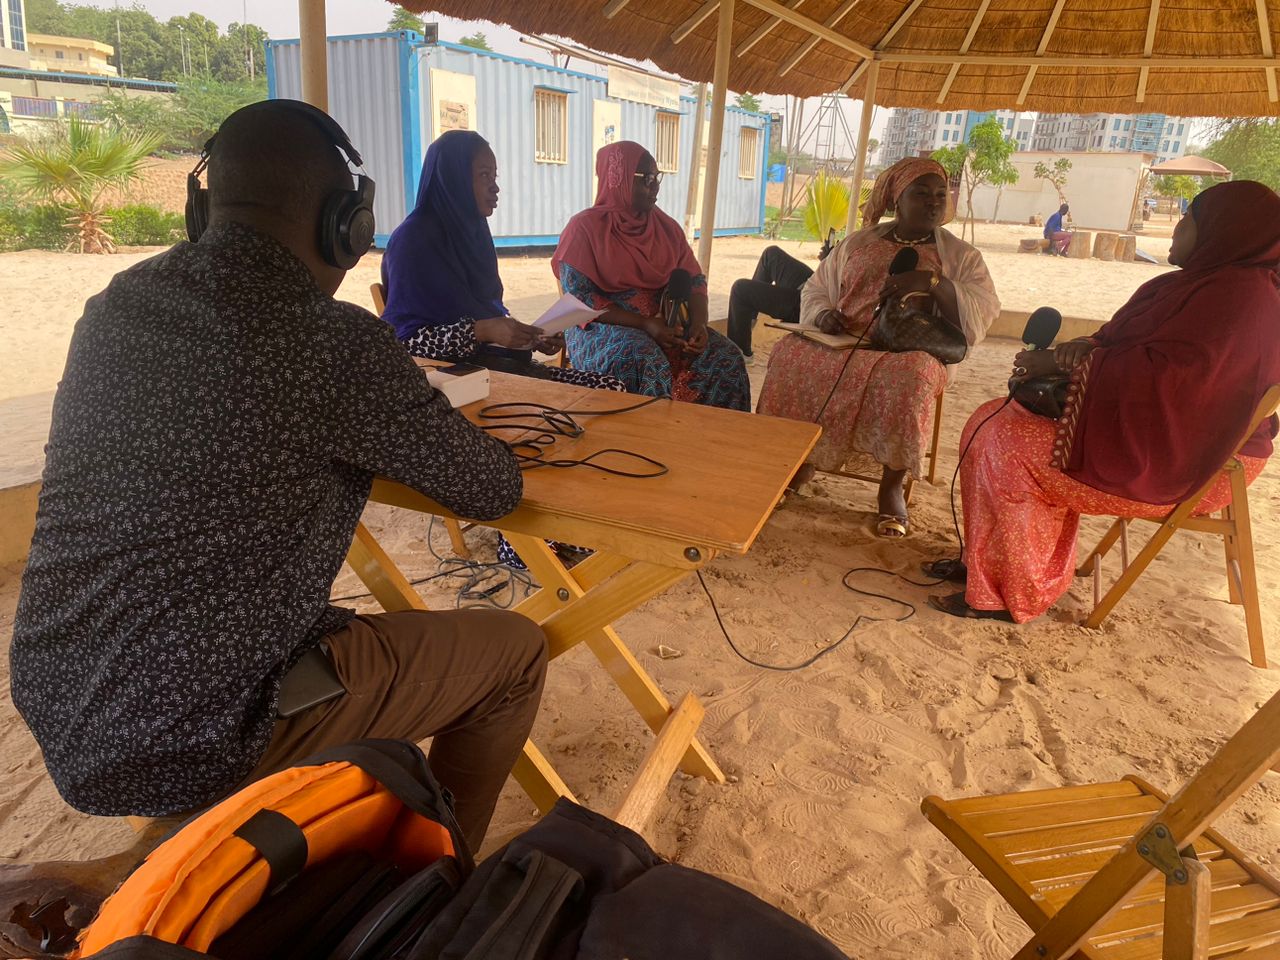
x=440, y=271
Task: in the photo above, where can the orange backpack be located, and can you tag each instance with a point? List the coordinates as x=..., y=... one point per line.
x=374, y=797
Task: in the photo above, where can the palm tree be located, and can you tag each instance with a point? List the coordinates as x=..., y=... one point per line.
x=828, y=206
x=74, y=169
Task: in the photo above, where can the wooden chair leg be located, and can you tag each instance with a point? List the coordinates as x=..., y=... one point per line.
x=1186, y=914
x=1104, y=546
x=1248, y=571
x=937, y=436
x=660, y=764
x=456, y=538
x=1135, y=570
x=1231, y=547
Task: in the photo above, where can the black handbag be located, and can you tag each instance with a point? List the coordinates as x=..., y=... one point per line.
x=902, y=326
x=1043, y=396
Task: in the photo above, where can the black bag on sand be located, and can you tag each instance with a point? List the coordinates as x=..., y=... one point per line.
x=577, y=886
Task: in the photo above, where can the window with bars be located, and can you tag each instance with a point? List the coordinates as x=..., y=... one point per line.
x=551, y=126
x=668, y=142
x=749, y=153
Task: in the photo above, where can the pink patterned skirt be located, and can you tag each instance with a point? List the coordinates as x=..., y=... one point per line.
x=1021, y=515
x=882, y=404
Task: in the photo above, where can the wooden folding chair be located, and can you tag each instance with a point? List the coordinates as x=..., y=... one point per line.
x=1079, y=864
x=1232, y=525
x=932, y=456
x=451, y=526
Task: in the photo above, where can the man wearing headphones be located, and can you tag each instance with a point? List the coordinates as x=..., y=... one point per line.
x=213, y=442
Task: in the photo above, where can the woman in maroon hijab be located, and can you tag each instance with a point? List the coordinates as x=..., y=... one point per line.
x=1160, y=397
x=618, y=256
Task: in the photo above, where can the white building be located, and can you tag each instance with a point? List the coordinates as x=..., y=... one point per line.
x=1161, y=136
x=13, y=33
x=914, y=132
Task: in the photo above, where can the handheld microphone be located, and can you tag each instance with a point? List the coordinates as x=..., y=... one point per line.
x=1042, y=326
x=904, y=261
x=679, y=290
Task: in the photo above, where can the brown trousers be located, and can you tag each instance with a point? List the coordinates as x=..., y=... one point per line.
x=471, y=679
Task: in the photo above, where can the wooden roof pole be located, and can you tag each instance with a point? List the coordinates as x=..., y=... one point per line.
x=882, y=43
x=787, y=15
x=837, y=15
x=724, y=50
x=765, y=29
x=964, y=48
x=695, y=162
x=864, y=140
x=1040, y=49
x=1152, y=16
x=613, y=8
x=690, y=25
x=1264, y=31
x=314, y=47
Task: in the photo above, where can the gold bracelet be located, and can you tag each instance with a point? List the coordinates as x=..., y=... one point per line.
x=935, y=280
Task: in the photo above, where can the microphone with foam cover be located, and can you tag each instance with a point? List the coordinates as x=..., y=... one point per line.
x=679, y=290
x=1042, y=326
x=904, y=261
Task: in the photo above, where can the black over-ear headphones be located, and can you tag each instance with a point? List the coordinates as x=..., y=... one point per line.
x=346, y=222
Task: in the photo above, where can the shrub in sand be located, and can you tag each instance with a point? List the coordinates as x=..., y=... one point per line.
x=74, y=169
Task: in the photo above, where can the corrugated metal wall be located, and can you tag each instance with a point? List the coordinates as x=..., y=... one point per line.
x=380, y=92
x=366, y=98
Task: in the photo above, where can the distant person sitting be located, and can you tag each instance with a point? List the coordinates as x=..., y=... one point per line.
x=773, y=289
x=1059, y=239
x=444, y=294
x=214, y=438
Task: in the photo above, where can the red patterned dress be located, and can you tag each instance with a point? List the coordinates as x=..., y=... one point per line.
x=882, y=403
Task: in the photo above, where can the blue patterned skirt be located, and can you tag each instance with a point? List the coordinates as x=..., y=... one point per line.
x=716, y=377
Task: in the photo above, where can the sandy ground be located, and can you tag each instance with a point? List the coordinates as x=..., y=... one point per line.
x=829, y=764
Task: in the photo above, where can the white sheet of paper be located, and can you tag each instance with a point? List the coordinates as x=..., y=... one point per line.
x=566, y=312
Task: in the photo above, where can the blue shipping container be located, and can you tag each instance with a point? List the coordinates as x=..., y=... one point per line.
x=389, y=93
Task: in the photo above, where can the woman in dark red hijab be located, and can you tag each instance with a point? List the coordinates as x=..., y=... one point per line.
x=619, y=256
x=1161, y=396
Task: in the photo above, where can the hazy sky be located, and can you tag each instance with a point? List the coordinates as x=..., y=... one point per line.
x=280, y=19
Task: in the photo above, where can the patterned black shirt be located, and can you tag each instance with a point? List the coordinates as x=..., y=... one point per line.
x=214, y=437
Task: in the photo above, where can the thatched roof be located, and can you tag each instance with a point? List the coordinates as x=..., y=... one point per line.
x=1055, y=56
x=1190, y=166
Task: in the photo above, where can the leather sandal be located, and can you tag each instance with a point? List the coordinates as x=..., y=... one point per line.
x=890, y=527
x=955, y=604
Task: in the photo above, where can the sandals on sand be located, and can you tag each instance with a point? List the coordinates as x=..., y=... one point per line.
x=890, y=527
x=951, y=570
x=954, y=604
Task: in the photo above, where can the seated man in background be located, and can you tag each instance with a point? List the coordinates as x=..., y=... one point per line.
x=214, y=438
x=773, y=289
x=1059, y=239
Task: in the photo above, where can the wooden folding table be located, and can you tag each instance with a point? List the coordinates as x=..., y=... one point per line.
x=727, y=472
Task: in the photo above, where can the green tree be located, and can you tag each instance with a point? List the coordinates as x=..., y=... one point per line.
x=747, y=102
x=476, y=40
x=145, y=47
x=74, y=169
x=983, y=159
x=828, y=206
x=1250, y=149
x=402, y=19
x=190, y=117
x=1177, y=188
x=872, y=146
x=1056, y=175
x=989, y=162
